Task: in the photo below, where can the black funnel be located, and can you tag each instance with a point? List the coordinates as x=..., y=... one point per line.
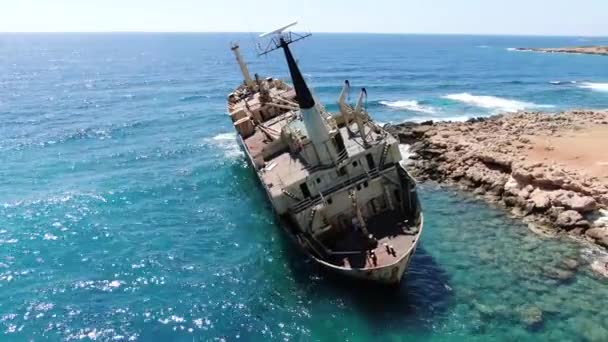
x=303, y=94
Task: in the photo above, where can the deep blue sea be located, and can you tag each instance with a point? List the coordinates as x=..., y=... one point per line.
x=127, y=211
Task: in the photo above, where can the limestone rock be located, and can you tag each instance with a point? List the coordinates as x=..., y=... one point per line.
x=568, y=219
x=496, y=160
x=600, y=267
x=490, y=157
x=571, y=200
x=597, y=233
x=540, y=199
x=600, y=235
x=512, y=186
x=583, y=204
x=510, y=201
x=554, y=212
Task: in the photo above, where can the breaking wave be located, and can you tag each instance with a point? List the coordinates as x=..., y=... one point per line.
x=411, y=105
x=405, y=151
x=493, y=102
x=227, y=142
x=595, y=86
x=459, y=118
x=562, y=82
x=55, y=199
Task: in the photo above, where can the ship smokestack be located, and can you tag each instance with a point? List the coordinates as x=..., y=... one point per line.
x=305, y=99
x=315, y=125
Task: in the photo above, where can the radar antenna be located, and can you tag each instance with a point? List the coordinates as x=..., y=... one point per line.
x=280, y=37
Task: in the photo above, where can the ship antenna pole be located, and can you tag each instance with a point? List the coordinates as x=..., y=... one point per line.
x=316, y=127
x=239, y=58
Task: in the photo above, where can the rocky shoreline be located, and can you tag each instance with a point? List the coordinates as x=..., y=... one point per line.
x=506, y=160
x=588, y=50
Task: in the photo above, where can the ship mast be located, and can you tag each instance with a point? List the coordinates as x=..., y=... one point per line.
x=239, y=58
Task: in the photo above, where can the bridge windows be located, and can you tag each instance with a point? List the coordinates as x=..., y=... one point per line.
x=305, y=190
x=370, y=161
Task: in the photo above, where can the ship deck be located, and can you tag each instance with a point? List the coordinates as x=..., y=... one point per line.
x=354, y=143
x=390, y=228
x=283, y=170
x=256, y=143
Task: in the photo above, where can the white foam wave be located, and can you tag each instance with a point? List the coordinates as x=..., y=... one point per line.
x=227, y=142
x=603, y=87
x=561, y=82
x=460, y=118
x=54, y=199
x=405, y=151
x=409, y=105
x=224, y=136
x=494, y=102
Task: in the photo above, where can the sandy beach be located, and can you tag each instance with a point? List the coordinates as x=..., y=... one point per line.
x=583, y=149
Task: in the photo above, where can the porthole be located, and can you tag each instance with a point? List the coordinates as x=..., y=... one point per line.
x=318, y=180
x=355, y=164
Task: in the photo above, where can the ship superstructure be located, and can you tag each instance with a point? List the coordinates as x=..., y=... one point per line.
x=336, y=181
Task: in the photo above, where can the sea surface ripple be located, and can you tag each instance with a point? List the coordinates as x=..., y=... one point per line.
x=127, y=211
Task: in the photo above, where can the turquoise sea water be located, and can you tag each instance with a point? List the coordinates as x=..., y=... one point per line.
x=127, y=211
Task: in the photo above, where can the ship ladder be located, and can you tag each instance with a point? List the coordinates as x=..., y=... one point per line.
x=312, y=218
x=290, y=195
x=383, y=157
x=353, y=197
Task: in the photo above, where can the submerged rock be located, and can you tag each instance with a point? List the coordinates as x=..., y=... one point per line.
x=559, y=274
x=531, y=316
x=589, y=330
x=570, y=264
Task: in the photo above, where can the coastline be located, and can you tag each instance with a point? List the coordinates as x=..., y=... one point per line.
x=551, y=170
x=587, y=50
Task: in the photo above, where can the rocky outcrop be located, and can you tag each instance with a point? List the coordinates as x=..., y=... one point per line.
x=488, y=157
x=589, y=50
x=599, y=235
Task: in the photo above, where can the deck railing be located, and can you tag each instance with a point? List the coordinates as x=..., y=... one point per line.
x=310, y=201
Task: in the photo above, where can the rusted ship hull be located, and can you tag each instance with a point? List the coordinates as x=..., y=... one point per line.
x=335, y=181
x=389, y=275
